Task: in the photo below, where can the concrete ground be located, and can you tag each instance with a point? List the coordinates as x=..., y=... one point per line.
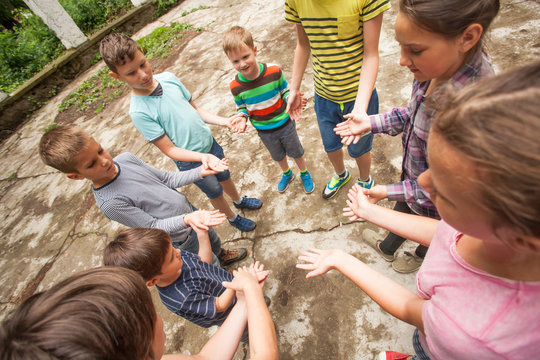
x=51, y=228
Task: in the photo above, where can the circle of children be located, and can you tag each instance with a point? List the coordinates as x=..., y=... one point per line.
x=469, y=191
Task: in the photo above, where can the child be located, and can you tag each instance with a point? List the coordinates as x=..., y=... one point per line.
x=107, y=313
x=260, y=93
x=343, y=36
x=129, y=191
x=479, y=285
x=188, y=285
x=441, y=44
x=164, y=113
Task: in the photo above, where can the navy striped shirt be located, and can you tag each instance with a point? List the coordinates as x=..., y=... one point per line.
x=193, y=294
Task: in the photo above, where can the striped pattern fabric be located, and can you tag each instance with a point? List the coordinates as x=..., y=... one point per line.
x=336, y=37
x=192, y=295
x=262, y=100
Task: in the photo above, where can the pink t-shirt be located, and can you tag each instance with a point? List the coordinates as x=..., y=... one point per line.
x=472, y=314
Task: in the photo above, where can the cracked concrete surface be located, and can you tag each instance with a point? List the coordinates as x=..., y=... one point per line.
x=51, y=228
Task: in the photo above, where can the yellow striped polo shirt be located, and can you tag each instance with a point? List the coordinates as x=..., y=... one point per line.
x=336, y=37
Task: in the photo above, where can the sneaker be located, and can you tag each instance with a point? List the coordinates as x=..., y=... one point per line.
x=334, y=185
x=365, y=184
x=243, y=224
x=284, y=182
x=227, y=257
x=392, y=355
x=407, y=263
x=248, y=203
x=308, y=182
x=372, y=239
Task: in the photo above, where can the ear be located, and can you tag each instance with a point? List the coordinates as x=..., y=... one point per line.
x=153, y=281
x=74, y=176
x=255, y=50
x=470, y=37
x=114, y=75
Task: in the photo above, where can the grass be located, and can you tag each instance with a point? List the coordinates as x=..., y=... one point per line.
x=202, y=7
x=102, y=88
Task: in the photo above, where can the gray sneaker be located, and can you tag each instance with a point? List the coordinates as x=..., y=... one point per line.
x=372, y=239
x=407, y=263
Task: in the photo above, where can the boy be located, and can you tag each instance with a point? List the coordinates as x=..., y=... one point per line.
x=260, y=93
x=188, y=284
x=164, y=113
x=130, y=192
x=344, y=38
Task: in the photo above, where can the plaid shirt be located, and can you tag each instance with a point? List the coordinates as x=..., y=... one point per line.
x=414, y=123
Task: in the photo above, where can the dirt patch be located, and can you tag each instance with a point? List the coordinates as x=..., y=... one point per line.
x=158, y=65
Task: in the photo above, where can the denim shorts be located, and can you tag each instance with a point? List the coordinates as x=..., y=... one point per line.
x=191, y=244
x=329, y=114
x=283, y=141
x=420, y=353
x=210, y=185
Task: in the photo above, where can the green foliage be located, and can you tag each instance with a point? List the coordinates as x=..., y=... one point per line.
x=90, y=15
x=202, y=7
x=159, y=41
x=163, y=6
x=25, y=51
x=50, y=127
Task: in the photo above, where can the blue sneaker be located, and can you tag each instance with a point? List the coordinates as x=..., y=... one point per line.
x=334, y=185
x=248, y=203
x=284, y=182
x=308, y=182
x=366, y=184
x=243, y=224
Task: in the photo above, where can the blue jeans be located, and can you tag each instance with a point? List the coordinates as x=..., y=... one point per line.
x=210, y=185
x=191, y=244
x=420, y=353
x=329, y=114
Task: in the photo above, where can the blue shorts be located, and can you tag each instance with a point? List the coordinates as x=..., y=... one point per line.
x=329, y=114
x=210, y=185
x=191, y=244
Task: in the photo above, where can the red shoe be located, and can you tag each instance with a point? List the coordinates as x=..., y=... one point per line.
x=392, y=355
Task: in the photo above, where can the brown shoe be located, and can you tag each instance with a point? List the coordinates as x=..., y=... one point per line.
x=407, y=263
x=227, y=256
x=372, y=239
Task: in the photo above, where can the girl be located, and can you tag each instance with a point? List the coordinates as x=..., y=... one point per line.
x=479, y=286
x=441, y=44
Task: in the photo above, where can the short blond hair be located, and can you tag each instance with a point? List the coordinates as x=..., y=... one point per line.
x=114, y=49
x=235, y=37
x=60, y=146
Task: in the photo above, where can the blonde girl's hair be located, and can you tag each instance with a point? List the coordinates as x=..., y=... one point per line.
x=450, y=18
x=496, y=124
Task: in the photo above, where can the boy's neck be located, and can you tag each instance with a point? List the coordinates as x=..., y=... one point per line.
x=101, y=182
x=145, y=92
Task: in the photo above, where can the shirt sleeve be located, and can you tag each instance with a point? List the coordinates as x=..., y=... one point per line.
x=125, y=213
x=373, y=8
x=408, y=191
x=283, y=86
x=174, y=179
x=241, y=106
x=201, y=305
x=147, y=126
x=290, y=12
x=391, y=123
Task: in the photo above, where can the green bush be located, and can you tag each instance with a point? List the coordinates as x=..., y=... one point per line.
x=90, y=15
x=25, y=51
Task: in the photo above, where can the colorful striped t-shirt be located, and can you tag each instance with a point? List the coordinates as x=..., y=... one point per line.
x=264, y=99
x=335, y=29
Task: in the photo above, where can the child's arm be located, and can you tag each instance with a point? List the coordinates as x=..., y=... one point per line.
x=214, y=119
x=168, y=148
x=392, y=297
x=205, y=249
x=262, y=334
x=301, y=58
x=413, y=227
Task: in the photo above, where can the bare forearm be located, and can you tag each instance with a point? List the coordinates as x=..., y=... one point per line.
x=301, y=58
x=392, y=297
x=417, y=228
x=262, y=334
x=368, y=76
x=205, y=249
x=225, y=300
x=211, y=118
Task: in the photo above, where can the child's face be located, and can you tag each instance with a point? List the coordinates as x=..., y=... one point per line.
x=428, y=55
x=448, y=182
x=171, y=268
x=244, y=61
x=95, y=164
x=137, y=73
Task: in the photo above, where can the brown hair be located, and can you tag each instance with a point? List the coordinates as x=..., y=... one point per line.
x=450, y=18
x=60, y=146
x=139, y=249
x=235, y=37
x=114, y=49
x=102, y=313
x=496, y=124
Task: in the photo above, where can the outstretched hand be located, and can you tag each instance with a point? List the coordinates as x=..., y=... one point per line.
x=217, y=167
x=203, y=219
x=356, y=126
x=318, y=262
x=358, y=203
x=244, y=277
x=237, y=123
